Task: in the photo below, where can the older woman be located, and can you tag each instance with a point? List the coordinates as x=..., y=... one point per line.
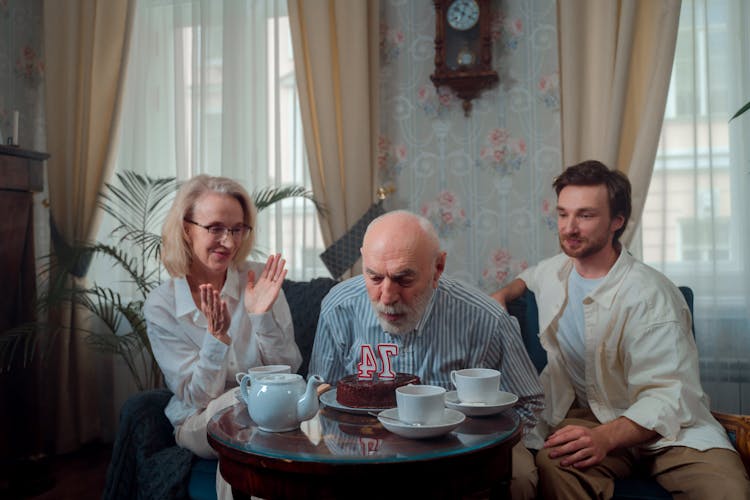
x=218, y=314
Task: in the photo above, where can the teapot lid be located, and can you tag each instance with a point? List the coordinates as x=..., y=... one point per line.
x=279, y=378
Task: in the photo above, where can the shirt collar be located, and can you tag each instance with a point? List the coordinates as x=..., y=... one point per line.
x=184, y=303
x=427, y=312
x=605, y=293
x=607, y=290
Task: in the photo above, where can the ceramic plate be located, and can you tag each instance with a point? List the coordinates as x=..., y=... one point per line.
x=451, y=420
x=328, y=398
x=501, y=402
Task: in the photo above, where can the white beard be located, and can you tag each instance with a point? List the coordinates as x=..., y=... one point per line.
x=412, y=314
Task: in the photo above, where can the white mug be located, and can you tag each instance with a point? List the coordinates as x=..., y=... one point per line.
x=259, y=371
x=420, y=404
x=476, y=385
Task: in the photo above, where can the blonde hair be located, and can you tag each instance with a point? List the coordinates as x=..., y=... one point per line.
x=176, y=253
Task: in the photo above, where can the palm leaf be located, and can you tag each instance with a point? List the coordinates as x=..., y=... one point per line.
x=13, y=340
x=139, y=202
x=25, y=340
x=139, y=207
x=268, y=196
x=741, y=110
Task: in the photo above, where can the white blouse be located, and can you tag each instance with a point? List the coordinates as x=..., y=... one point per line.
x=197, y=367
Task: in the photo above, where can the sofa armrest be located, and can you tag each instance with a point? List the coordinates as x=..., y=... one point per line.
x=145, y=432
x=738, y=431
x=524, y=309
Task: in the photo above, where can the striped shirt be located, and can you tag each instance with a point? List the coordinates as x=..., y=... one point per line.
x=462, y=328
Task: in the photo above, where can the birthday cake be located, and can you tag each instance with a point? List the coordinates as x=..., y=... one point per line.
x=356, y=393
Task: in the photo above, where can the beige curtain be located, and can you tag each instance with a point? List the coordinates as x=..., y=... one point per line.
x=85, y=52
x=336, y=63
x=615, y=65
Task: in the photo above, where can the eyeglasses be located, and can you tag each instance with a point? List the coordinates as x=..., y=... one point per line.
x=218, y=232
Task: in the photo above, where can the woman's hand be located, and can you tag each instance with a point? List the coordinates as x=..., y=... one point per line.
x=216, y=312
x=260, y=295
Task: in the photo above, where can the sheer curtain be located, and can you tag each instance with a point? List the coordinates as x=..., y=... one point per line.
x=613, y=113
x=211, y=89
x=337, y=73
x=696, y=227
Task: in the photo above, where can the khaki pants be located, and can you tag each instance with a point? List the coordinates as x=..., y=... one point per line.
x=524, y=476
x=716, y=473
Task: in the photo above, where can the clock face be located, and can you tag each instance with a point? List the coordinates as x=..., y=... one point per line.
x=463, y=14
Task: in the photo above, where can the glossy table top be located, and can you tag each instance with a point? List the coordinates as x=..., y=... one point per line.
x=336, y=437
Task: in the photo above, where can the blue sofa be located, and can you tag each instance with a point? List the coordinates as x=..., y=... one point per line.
x=147, y=464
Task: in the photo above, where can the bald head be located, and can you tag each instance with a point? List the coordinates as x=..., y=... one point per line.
x=402, y=231
x=402, y=263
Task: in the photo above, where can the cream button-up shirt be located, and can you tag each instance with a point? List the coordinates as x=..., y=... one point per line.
x=641, y=361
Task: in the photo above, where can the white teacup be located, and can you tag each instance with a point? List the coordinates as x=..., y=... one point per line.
x=420, y=404
x=476, y=385
x=259, y=371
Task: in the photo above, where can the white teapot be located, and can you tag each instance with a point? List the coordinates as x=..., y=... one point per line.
x=279, y=402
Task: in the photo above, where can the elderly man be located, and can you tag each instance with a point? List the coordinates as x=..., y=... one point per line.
x=438, y=324
x=622, y=380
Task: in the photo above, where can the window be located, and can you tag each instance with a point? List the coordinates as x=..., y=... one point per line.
x=695, y=225
x=211, y=89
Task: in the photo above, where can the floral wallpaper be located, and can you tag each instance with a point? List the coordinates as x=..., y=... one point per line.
x=22, y=71
x=483, y=180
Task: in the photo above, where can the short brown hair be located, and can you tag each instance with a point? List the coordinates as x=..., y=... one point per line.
x=596, y=173
x=176, y=254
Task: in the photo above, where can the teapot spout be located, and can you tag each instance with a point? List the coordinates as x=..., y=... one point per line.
x=308, y=406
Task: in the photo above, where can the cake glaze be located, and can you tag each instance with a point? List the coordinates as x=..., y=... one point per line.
x=356, y=393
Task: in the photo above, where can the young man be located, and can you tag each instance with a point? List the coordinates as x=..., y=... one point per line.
x=437, y=323
x=621, y=382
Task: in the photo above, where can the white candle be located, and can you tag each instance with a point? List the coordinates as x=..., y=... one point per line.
x=15, y=128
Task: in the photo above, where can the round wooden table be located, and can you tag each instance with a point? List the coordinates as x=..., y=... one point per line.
x=343, y=455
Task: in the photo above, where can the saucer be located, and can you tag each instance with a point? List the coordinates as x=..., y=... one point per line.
x=328, y=398
x=501, y=402
x=451, y=420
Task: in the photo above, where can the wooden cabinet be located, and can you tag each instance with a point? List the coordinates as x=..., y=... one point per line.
x=21, y=174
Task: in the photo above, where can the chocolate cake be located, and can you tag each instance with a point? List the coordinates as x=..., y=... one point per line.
x=355, y=393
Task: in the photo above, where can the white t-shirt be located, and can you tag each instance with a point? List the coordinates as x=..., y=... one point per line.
x=571, y=333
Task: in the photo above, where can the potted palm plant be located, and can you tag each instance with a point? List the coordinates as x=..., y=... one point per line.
x=138, y=204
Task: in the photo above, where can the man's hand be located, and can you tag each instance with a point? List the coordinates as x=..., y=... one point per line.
x=260, y=295
x=586, y=446
x=583, y=446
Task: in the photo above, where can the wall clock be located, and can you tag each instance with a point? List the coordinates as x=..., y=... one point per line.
x=463, y=48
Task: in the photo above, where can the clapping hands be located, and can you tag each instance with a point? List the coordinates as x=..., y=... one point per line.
x=216, y=312
x=260, y=295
